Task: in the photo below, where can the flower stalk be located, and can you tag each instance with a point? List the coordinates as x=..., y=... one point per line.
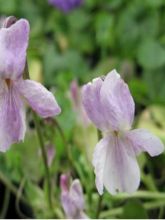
x=44, y=156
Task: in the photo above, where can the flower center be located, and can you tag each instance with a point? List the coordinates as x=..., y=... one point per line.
x=8, y=82
x=116, y=133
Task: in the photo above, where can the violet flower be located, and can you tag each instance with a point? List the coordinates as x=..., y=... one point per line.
x=13, y=89
x=111, y=108
x=65, y=5
x=72, y=198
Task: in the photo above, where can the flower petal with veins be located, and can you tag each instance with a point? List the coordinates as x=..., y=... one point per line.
x=12, y=118
x=143, y=140
x=115, y=166
x=13, y=45
x=40, y=99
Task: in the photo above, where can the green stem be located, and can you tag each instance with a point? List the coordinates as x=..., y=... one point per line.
x=119, y=211
x=99, y=206
x=19, y=193
x=5, y=203
x=11, y=187
x=64, y=141
x=148, y=181
x=44, y=156
x=140, y=194
x=161, y=212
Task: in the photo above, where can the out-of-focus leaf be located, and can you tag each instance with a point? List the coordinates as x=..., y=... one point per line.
x=8, y=7
x=104, y=29
x=151, y=55
x=35, y=70
x=134, y=210
x=153, y=119
x=155, y=87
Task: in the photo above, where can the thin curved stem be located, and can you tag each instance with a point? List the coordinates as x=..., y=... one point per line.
x=140, y=194
x=19, y=193
x=99, y=206
x=11, y=187
x=44, y=157
x=5, y=203
x=64, y=141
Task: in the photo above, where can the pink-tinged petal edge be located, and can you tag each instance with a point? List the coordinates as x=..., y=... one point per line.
x=116, y=167
x=12, y=118
x=142, y=140
x=13, y=45
x=40, y=99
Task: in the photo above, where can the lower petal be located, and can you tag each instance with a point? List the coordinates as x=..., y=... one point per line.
x=115, y=165
x=121, y=171
x=12, y=119
x=40, y=99
x=99, y=159
x=142, y=140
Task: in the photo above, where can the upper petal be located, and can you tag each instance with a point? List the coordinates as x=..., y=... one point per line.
x=40, y=99
x=117, y=101
x=12, y=117
x=13, y=45
x=115, y=166
x=92, y=103
x=143, y=140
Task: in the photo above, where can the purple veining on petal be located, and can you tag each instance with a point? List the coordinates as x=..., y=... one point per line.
x=142, y=140
x=14, y=37
x=12, y=118
x=13, y=45
x=40, y=99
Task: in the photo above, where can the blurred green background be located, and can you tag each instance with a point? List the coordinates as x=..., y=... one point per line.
x=82, y=44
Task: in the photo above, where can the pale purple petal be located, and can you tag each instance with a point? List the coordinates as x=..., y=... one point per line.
x=99, y=158
x=40, y=99
x=116, y=167
x=117, y=101
x=12, y=117
x=142, y=140
x=72, y=198
x=91, y=99
x=76, y=194
x=13, y=45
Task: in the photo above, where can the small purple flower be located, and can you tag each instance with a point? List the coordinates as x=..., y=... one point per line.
x=72, y=198
x=111, y=108
x=65, y=5
x=13, y=88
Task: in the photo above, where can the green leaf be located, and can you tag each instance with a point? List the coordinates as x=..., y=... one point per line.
x=151, y=55
x=134, y=210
